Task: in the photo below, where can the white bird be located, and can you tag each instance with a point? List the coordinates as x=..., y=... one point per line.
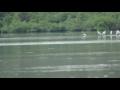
x=117, y=32
x=83, y=33
x=104, y=32
x=99, y=33
x=111, y=32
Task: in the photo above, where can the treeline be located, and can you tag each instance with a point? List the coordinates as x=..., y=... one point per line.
x=58, y=21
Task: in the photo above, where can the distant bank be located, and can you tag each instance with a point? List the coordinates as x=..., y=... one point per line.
x=24, y=22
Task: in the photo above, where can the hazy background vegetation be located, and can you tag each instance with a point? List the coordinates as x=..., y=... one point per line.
x=58, y=21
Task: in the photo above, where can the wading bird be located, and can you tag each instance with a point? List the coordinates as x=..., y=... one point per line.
x=83, y=33
x=117, y=32
x=99, y=33
x=104, y=32
x=111, y=32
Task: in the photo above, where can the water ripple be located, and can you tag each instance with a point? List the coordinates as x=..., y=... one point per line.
x=86, y=53
x=39, y=38
x=69, y=68
x=58, y=42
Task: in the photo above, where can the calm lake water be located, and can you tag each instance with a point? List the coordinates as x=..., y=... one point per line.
x=59, y=55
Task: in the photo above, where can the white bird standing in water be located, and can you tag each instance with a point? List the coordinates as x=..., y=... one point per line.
x=83, y=33
x=111, y=32
x=99, y=33
x=117, y=32
x=104, y=32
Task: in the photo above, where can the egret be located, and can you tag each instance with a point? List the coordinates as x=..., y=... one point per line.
x=99, y=33
x=104, y=32
x=111, y=32
x=117, y=32
x=83, y=33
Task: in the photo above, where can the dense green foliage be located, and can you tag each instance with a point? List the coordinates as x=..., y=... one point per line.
x=58, y=21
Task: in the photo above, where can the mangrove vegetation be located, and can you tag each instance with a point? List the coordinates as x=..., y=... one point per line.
x=17, y=22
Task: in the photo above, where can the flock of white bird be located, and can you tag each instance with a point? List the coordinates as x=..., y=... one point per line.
x=103, y=33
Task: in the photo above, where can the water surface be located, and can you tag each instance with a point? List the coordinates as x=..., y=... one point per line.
x=59, y=55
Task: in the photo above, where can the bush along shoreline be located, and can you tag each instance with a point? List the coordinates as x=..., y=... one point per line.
x=25, y=22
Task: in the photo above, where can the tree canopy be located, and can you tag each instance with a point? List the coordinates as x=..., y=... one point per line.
x=58, y=21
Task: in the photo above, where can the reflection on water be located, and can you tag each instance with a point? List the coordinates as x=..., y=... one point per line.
x=103, y=37
x=118, y=37
x=83, y=37
x=99, y=37
x=111, y=37
x=60, y=55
